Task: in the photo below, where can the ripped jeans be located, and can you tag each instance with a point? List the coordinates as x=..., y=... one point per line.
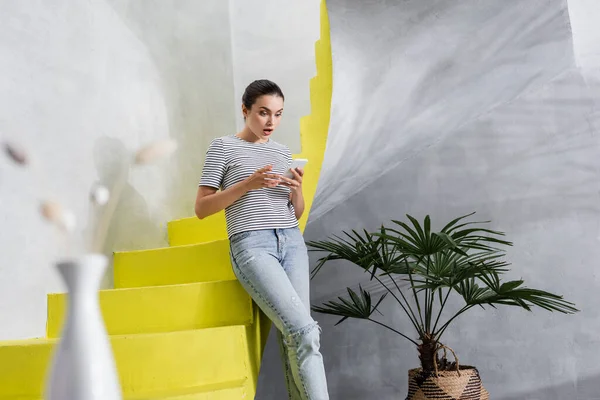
x=272, y=265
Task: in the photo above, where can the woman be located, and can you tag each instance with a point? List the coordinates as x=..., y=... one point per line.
x=268, y=254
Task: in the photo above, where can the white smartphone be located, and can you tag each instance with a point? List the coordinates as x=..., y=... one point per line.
x=296, y=163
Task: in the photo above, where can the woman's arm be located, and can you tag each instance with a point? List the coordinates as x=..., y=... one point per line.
x=296, y=196
x=298, y=203
x=210, y=201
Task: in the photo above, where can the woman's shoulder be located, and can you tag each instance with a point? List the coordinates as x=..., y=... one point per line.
x=221, y=139
x=279, y=146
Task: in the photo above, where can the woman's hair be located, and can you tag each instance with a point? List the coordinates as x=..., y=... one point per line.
x=259, y=88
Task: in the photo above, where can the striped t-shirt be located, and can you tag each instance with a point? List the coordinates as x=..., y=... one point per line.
x=230, y=160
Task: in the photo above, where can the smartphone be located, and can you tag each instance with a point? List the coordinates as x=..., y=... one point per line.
x=296, y=163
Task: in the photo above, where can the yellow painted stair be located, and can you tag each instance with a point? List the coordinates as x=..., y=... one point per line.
x=181, y=326
x=173, y=265
x=149, y=364
x=164, y=308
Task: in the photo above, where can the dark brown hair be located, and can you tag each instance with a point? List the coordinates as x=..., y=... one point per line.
x=259, y=88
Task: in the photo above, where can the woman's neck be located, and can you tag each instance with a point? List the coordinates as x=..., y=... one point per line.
x=247, y=135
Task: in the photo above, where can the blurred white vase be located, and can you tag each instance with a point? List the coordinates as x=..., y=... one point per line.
x=83, y=366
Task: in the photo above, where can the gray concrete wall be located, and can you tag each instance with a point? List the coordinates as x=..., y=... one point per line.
x=444, y=108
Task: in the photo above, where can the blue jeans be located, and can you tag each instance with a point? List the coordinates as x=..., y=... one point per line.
x=272, y=265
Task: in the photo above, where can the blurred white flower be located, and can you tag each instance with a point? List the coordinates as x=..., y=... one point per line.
x=15, y=153
x=69, y=222
x=99, y=195
x=155, y=151
x=51, y=211
x=56, y=214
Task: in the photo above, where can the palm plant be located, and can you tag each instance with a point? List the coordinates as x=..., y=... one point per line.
x=461, y=258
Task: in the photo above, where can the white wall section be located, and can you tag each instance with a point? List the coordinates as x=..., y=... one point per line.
x=275, y=40
x=84, y=82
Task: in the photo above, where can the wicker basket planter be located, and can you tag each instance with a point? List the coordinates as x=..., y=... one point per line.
x=462, y=384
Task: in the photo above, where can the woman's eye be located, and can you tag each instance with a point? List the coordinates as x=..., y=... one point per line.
x=278, y=115
x=263, y=113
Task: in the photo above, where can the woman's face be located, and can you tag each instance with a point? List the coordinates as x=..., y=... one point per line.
x=264, y=116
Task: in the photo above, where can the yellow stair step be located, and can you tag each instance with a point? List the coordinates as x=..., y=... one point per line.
x=173, y=265
x=163, y=308
x=235, y=393
x=213, y=358
x=193, y=230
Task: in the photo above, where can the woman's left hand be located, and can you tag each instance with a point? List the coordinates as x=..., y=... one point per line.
x=295, y=184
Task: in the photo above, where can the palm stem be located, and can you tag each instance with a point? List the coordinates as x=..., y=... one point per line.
x=439, y=334
x=430, y=293
x=394, y=330
x=441, y=308
x=431, y=303
x=415, y=294
x=413, y=316
x=426, y=290
x=415, y=324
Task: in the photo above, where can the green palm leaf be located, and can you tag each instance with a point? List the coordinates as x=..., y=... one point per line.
x=360, y=251
x=358, y=306
x=462, y=258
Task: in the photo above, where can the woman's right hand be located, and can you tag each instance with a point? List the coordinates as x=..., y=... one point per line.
x=263, y=178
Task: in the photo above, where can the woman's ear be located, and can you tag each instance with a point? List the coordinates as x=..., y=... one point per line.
x=244, y=111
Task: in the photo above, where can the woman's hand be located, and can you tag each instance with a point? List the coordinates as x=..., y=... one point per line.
x=263, y=178
x=295, y=184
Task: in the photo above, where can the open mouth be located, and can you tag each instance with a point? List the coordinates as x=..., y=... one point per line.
x=267, y=131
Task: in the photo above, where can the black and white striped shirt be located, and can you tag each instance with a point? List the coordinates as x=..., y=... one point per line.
x=230, y=160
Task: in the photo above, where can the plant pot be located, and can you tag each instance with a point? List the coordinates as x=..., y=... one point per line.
x=83, y=366
x=462, y=384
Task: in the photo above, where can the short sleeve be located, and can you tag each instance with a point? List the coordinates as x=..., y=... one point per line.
x=213, y=171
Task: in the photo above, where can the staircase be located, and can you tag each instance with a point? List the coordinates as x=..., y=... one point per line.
x=181, y=326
